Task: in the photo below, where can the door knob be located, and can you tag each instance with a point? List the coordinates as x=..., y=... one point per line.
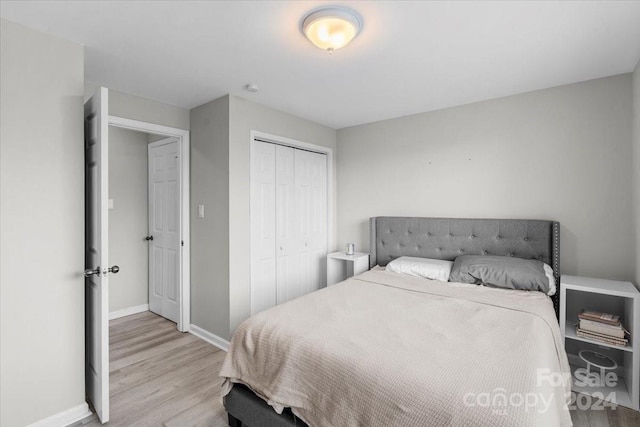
x=148, y=238
x=89, y=272
x=113, y=269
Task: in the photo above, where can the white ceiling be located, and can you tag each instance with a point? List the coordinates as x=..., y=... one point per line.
x=410, y=57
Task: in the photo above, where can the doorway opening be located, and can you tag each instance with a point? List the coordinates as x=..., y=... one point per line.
x=144, y=231
x=159, y=163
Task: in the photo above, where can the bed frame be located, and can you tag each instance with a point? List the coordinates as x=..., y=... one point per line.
x=438, y=238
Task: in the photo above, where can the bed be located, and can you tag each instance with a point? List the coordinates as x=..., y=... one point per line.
x=377, y=349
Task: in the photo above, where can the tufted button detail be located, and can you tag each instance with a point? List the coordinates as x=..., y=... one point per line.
x=461, y=251
x=439, y=249
x=449, y=235
x=472, y=236
x=498, y=237
x=428, y=234
x=484, y=252
x=540, y=257
x=511, y=255
x=526, y=239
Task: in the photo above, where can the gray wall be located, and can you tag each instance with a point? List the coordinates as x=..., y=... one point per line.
x=220, y=132
x=636, y=164
x=563, y=153
x=41, y=217
x=210, y=235
x=129, y=220
x=245, y=116
x=145, y=110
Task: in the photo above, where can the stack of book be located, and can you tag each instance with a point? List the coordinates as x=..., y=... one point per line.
x=601, y=327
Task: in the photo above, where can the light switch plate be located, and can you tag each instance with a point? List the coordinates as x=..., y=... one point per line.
x=200, y=211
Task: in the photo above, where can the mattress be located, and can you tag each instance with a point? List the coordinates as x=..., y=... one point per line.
x=385, y=349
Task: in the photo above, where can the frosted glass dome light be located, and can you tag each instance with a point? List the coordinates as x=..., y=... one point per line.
x=331, y=28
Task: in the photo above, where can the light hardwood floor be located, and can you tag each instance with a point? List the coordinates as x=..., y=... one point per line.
x=162, y=377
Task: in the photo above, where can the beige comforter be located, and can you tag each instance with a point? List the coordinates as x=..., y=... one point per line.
x=385, y=349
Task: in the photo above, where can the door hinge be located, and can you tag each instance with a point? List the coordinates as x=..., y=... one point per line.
x=181, y=242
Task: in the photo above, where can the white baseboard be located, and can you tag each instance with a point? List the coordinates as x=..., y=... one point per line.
x=128, y=311
x=65, y=418
x=207, y=336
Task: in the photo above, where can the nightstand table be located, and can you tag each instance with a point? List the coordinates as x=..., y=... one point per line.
x=606, y=296
x=341, y=266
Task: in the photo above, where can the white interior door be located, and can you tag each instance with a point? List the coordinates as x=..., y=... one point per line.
x=287, y=269
x=318, y=221
x=311, y=218
x=164, y=228
x=302, y=216
x=263, y=226
x=288, y=223
x=96, y=117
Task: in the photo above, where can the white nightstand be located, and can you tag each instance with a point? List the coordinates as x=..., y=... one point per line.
x=607, y=296
x=340, y=266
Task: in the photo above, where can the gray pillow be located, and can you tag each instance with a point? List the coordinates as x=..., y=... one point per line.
x=500, y=272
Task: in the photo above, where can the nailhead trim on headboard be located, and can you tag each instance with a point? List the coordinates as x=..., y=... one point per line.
x=556, y=266
x=372, y=242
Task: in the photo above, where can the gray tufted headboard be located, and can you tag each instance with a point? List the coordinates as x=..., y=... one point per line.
x=447, y=238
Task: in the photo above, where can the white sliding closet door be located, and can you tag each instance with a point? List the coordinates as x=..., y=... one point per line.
x=311, y=218
x=288, y=223
x=263, y=226
x=287, y=268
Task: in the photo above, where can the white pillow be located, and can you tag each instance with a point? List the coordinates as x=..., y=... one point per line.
x=548, y=271
x=435, y=269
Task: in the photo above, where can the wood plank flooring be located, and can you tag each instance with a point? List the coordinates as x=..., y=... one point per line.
x=162, y=377
x=618, y=417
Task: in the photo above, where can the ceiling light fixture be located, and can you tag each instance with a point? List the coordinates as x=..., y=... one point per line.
x=331, y=28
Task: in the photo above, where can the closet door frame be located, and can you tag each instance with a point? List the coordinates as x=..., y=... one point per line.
x=288, y=142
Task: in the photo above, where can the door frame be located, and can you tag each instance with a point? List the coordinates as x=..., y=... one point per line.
x=288, y=142
x=182, y=135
